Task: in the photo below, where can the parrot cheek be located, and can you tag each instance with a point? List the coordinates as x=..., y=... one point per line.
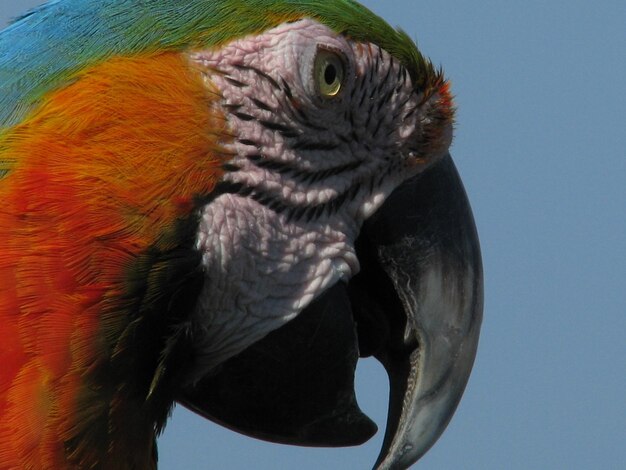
x=263, y=271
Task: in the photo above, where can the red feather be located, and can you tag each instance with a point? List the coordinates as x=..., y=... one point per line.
x=103, y=170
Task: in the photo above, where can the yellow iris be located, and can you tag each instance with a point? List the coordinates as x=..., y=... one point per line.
x=329, y=73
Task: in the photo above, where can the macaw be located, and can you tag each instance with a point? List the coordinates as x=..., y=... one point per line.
x=224, y=204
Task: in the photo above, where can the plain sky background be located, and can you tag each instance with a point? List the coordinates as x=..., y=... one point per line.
x=541, y=146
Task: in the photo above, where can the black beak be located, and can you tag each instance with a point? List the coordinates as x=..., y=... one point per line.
x=416, y=306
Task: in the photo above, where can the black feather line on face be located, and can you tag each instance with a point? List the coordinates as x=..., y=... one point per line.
x=304, y=145
x=261, y=105
x=294, y=212
x=259, y=73
x=235, y=82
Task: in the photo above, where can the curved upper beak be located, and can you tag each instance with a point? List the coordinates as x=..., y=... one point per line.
x=416, y=306
x=421, y=283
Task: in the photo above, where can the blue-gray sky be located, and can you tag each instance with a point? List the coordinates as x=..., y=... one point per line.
x=541, y=146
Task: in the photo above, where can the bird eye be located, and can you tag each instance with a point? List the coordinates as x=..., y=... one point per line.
x=329, y=73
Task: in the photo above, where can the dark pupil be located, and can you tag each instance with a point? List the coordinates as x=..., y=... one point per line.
x=330, y=74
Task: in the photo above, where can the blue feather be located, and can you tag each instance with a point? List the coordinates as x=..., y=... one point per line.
x=49, y=45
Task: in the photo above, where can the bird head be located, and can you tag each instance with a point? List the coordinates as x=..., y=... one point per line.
x=239, y=200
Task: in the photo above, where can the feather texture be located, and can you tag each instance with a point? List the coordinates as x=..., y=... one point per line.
x=106, y=173
x=48, y=47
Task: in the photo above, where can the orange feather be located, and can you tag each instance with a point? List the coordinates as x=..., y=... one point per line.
x=103, y=170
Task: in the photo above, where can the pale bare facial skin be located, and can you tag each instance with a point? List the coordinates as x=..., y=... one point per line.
x=310, y=164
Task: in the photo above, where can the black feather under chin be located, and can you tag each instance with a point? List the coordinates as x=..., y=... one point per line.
x=145, y=347
x=164, y=284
